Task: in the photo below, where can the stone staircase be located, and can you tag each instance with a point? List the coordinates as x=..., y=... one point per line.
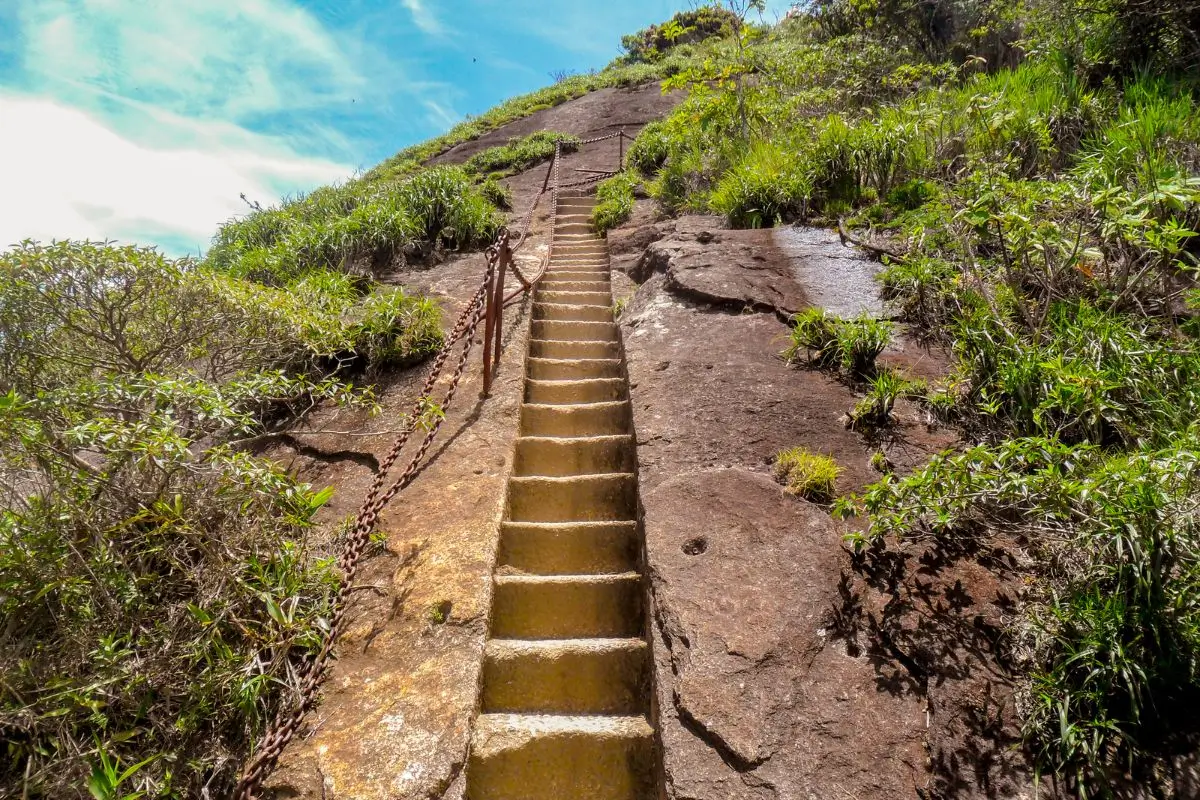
x=565, y=703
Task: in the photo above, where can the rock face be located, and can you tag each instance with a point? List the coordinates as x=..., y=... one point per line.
x=731, y=269
x=786, y=668
x=756, y=702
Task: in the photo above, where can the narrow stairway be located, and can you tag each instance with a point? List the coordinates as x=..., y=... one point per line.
x=566, y=689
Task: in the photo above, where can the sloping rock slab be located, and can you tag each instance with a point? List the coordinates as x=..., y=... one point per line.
x=730, y=269
x=755, y=701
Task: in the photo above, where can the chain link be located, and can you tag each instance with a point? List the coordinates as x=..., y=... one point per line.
x=312, y=671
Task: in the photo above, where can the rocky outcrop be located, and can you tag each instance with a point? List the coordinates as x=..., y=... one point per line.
x=787, y=668
x=730, y=269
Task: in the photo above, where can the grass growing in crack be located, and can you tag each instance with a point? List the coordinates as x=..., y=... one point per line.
x=808, y=475
x=827, y=340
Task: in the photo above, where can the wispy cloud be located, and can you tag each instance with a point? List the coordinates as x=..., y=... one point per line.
x=423, y=18
x=147, y=120
x=70, y=176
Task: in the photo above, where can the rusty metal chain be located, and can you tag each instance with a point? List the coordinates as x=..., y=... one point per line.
x=312, y=671
x=283, y=728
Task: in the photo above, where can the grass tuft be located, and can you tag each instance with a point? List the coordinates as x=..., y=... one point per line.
x=804, y=474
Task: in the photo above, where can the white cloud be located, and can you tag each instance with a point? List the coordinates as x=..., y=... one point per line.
x=423, y=18
x=68, y=175
x=229, y=59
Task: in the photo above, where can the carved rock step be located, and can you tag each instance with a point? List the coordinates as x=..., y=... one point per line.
x=572, y=312
x=550, y=369
x=568, y=282
x=574, y=420
x=548, y=296
x=573, y=330
x=567, y=606
x=576, y=392
x=557, y=457
x=568, y=548
x=560, y=349
x=542, y=757
x=566, y=676
x=584, y=498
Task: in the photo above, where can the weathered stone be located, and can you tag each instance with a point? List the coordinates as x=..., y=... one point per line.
x=729, y=269
x=755, y=701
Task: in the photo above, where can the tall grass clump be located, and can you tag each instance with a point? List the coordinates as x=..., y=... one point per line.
x=358, y=227
x=766, y=188
x=808, y=475
x=614, y=202
x=1038, y=212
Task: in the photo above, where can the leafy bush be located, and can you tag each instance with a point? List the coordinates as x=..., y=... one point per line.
x=686, y=27
x=359, y=227
x=650, y=149
x=814, y=334
x=497, y=194
x=1115, y=641
x=615, y=202
x=813, y=477
x=520, y=153
x=884, y=389
x=155, y=576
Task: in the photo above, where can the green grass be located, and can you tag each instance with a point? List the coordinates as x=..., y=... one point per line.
x=827, y=340
x=520, y=154
x=1046, y=220
x=614, y=202
x=808, y=475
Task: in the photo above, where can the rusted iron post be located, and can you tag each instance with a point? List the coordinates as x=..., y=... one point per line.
x=489, y=326
x=498, y=301
x=621, y=138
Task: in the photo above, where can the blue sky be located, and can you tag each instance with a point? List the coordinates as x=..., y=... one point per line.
x=144, y=120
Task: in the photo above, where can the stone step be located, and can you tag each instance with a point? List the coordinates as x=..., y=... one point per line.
x=573, y=369
x=585, y=270
x=566, y=676
x=557, y=349
x=569, y=330
x=572, y=225
x=584, y=498
x=567, y=606
x=559, y=297
x=551, y=456
x=575, y=392
x=575, y=420
x=550, y=757
x=543, y=311
x=569, y=548
x=552, y=283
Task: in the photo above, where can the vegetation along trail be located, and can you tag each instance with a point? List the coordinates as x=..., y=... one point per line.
x=847, y=446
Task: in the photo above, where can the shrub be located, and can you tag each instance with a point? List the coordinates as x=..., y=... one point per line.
x=766, y=188
x=650, y=149
x=686, y=27
x=813, y=477
x=814, y=333
x=615, y=202
x=497, y=194
x=860, y=341
x=885, y=388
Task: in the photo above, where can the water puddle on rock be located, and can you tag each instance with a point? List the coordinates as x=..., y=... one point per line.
x=837, y=278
